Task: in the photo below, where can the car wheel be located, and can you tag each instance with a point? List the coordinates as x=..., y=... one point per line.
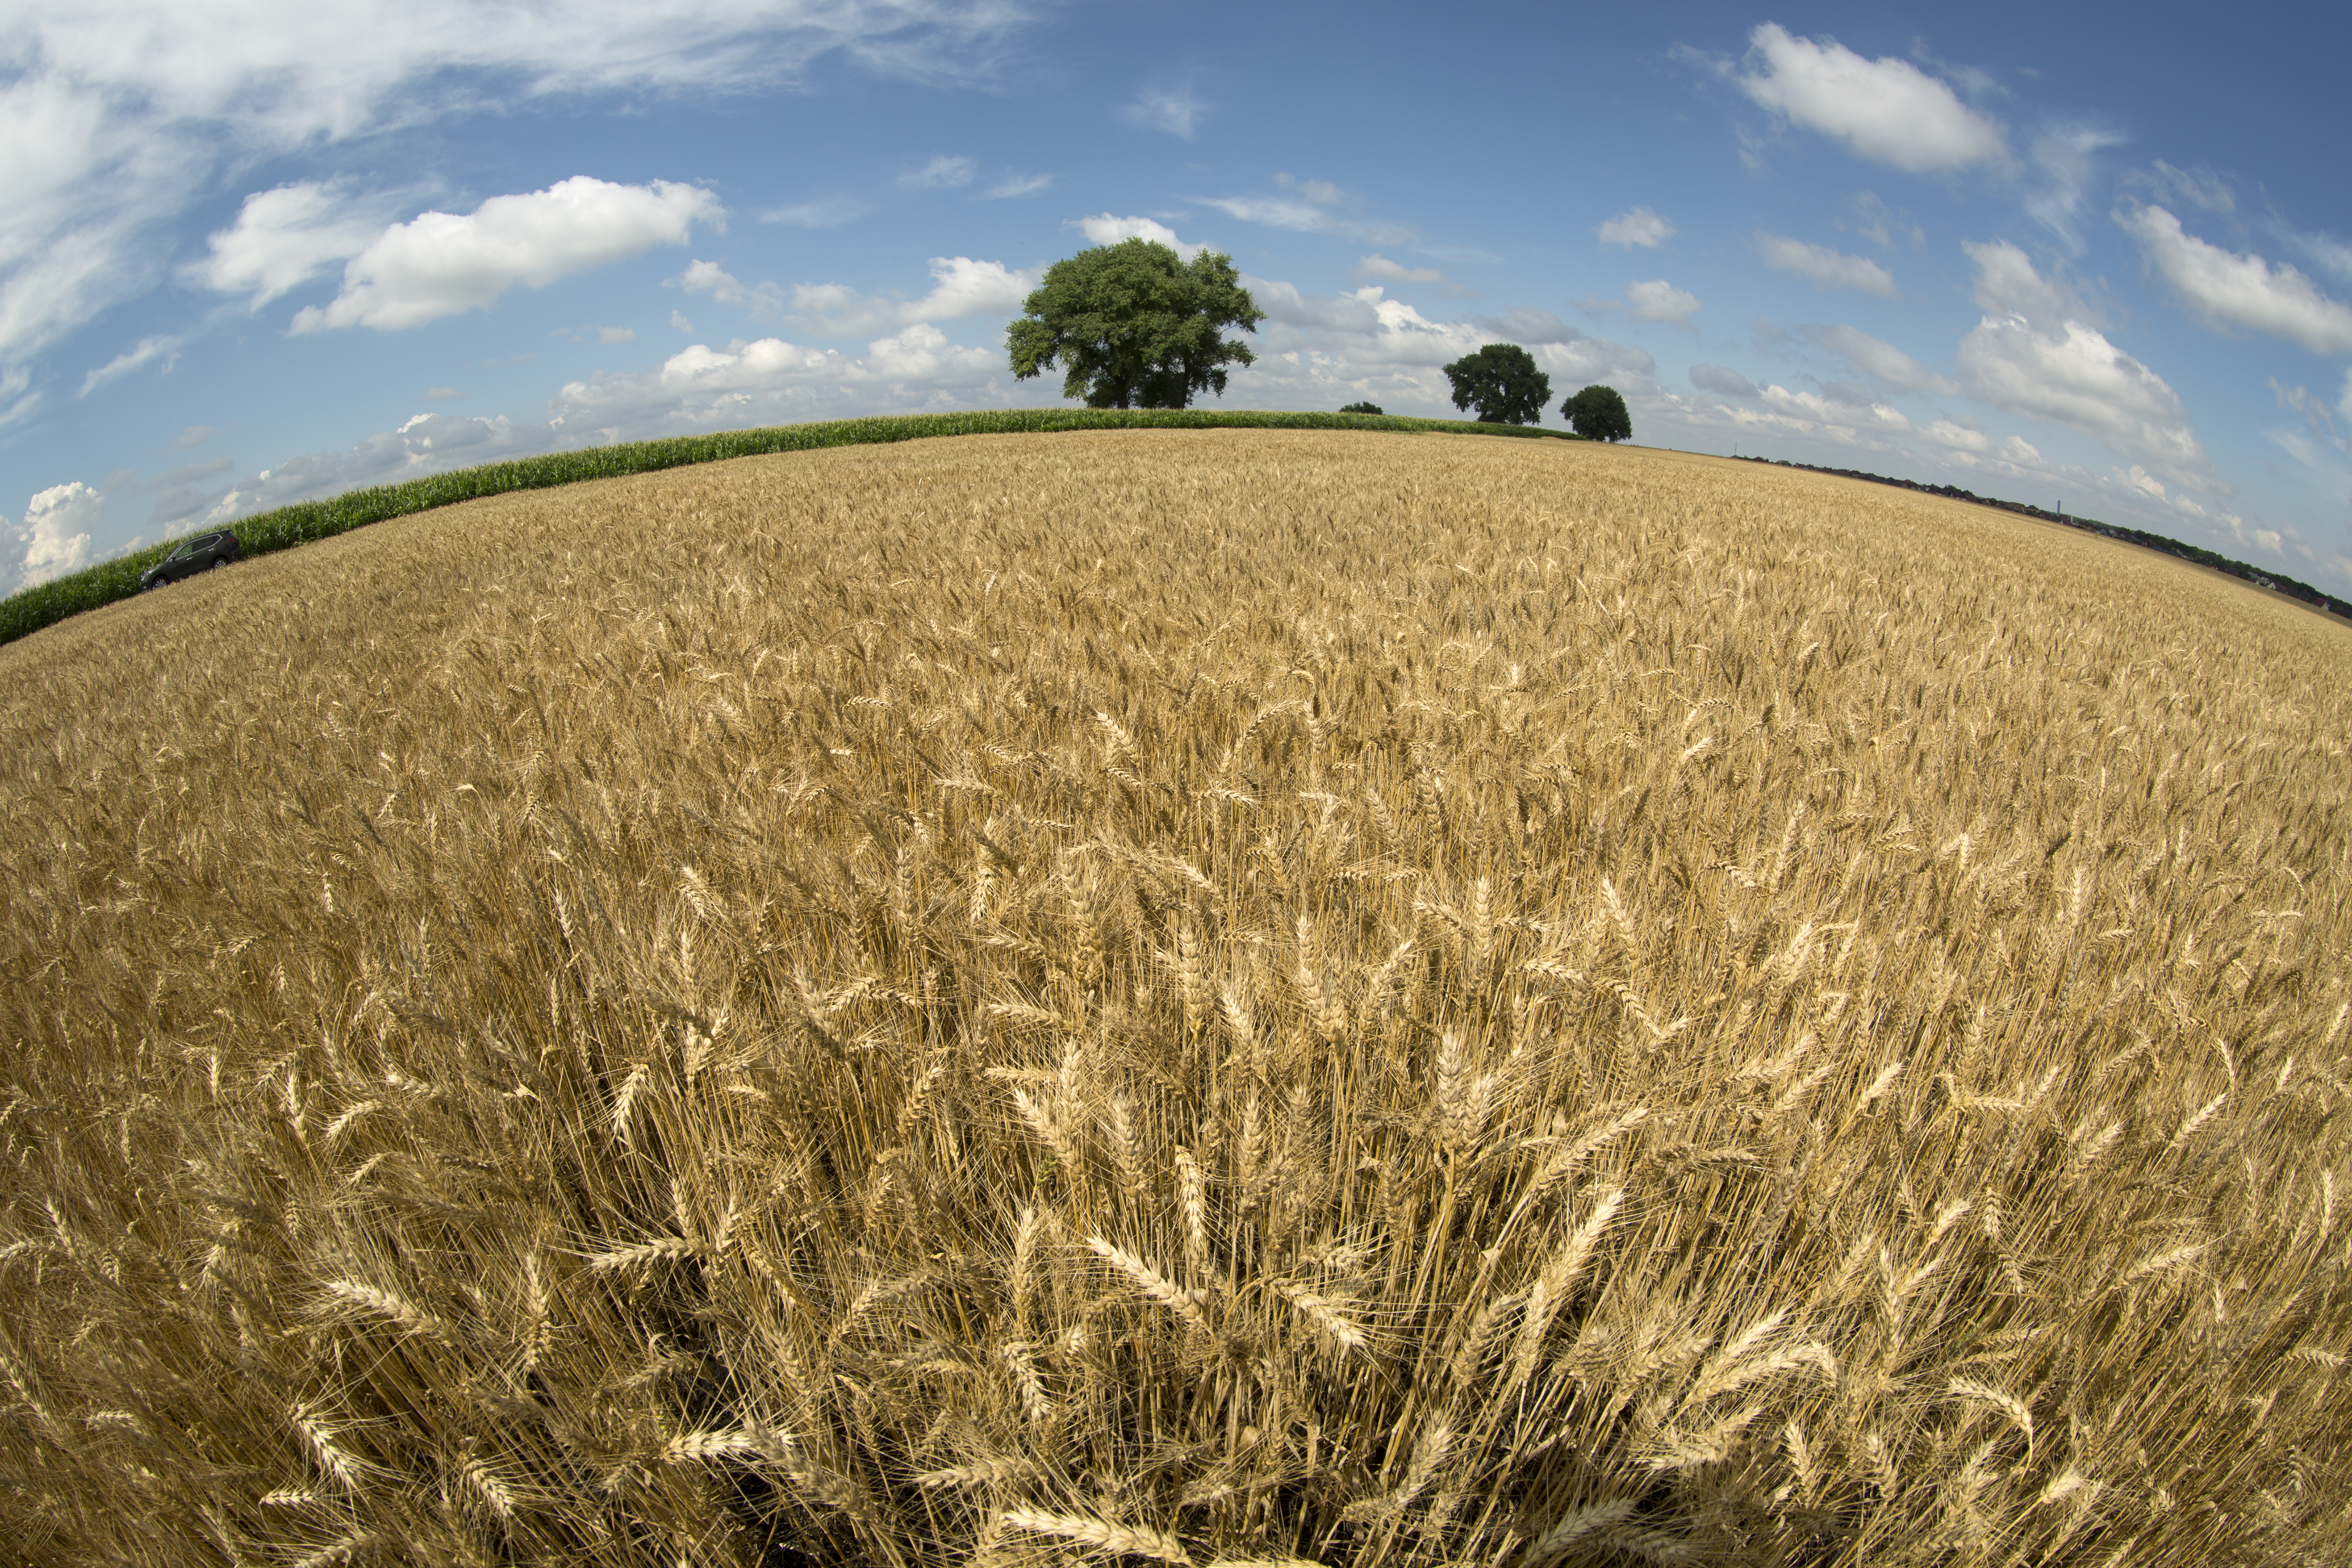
x=218, y=564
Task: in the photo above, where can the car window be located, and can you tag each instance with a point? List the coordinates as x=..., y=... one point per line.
x=183, y=552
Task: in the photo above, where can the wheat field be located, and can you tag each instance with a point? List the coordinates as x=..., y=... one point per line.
x=1201, y=997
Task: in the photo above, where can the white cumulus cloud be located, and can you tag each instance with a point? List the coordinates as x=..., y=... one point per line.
x=772, y=381
x=2007, y=284
x=1319, y=349
x=1885, y=110
x=2032, y=354
x=441, y=263
x=709, y=278
x=1958, y=437
x=2224, y=288
x=1825, y=268
x=54, y=537
x=284, y=237
x=920, y=352
x=1639, y=227
x=1659, y=301
x=959, y=287
x=1839, y=413
x=1104, y=230
x=119, y=116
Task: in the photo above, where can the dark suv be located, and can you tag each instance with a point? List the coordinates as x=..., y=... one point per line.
x=202, y=554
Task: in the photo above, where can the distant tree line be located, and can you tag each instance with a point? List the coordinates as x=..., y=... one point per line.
x=1501, y=381
x=1135, y=325
x=2197, y=554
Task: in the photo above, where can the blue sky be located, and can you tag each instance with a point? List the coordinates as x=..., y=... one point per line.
x=255, y=250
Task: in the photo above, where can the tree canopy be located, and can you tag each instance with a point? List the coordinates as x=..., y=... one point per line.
x=1502, y=381
x=1599, y=413
x=1359, y=408
x=1135, y=325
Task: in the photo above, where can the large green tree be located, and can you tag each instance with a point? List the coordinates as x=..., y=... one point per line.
x=1135, y=325
x=1599, y=413
x=1502, y=382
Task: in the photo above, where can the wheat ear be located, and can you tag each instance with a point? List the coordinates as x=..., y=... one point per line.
x=1336, y=1326
x=1150, y=1281
x=1124, y=1541
x=1575, y=1527
x=1552, y=1285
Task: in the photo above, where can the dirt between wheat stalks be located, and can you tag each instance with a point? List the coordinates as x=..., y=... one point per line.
x=1204, y=997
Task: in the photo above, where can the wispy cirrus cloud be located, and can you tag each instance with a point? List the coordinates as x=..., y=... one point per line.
x=1013, y=185
x=1722, y=380
x=2067, y=155
x=2199, y=187
x=1378, y=269
x=1884, y=226
x=1824, y=268
x=830, y=212
x=1875, y=357
x=147, y=350
x=944, y=173
x=1174, y=110
x=1312, y=206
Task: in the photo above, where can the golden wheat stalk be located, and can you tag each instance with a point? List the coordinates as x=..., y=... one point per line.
x=663, y=1249
x=1343, y=1332
x=346, y=1467
x=1191, y=1200
x=388, y=1304
x=1590, y=1520
x=1101, y=1534
x=699, y=1447
x=1552, y=1284
x=997, y=1470
x=1185, y=1304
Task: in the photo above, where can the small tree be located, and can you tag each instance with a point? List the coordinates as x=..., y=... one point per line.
x=1361, y=409
x=1598, y=414
x=1135, y=325
x=1503, y=381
